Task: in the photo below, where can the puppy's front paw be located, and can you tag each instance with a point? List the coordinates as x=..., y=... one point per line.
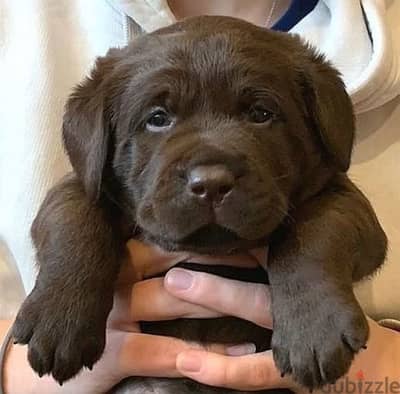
x=317, y=347
x=62, y=338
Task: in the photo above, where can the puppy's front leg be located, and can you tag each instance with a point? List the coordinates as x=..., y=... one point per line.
x=332, y=241
x=63, y=320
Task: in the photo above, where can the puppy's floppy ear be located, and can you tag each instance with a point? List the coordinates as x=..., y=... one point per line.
x=329, y=109
x=87, y=128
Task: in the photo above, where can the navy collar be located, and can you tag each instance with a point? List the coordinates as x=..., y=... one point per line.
x=297, y=10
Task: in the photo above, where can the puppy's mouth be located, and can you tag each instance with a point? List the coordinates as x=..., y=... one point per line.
x=211, y=235
x=209, y=239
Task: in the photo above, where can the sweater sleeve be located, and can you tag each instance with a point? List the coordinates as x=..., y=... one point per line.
x=390, y=323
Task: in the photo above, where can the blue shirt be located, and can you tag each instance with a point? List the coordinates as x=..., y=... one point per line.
x=297, y=10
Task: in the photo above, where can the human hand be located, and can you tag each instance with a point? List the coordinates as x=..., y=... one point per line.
x=258, y=371
x=128, y=352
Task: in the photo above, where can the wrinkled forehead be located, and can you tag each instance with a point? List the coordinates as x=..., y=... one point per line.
x=211, y=61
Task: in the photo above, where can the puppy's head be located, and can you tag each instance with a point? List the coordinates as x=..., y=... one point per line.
x=212, y=129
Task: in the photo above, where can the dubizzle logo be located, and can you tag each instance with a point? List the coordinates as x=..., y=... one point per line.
x=360, y=375
x=362, y=385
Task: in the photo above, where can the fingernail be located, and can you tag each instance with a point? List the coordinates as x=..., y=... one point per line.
x=189, y=363
x=179, y=279
x=241, y=350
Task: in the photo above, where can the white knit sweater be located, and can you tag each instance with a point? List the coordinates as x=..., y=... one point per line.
x=47, y=46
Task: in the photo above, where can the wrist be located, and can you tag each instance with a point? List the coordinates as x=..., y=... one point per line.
x=381, y=358
x=375, y=367
x=18, y=377
x=5, y=336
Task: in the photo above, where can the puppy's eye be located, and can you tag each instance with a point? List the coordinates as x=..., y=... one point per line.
x=260, y=115
x=159, y=121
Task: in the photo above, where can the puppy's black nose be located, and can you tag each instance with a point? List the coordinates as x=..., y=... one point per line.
x=210, y=182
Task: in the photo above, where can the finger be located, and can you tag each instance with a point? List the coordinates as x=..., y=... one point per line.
x=149, y=260
x=251, y=372
x=152, y=355
x=261, y=255
x=245, y=260
x=222, y=295
x=148, y=300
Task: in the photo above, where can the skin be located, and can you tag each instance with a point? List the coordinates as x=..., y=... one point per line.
x=255, y=11
x=233, y=367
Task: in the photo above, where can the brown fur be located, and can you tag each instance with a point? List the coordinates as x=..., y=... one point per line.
x=290, y=191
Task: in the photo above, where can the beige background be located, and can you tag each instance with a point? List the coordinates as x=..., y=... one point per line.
x=376, y=170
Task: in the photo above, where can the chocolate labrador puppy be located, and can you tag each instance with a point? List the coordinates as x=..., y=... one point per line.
x=213, y=136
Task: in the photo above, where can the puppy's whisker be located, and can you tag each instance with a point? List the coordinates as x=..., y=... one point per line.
x=286, y=212
x=281, y=176
x=289, y=217
x=135, y=229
